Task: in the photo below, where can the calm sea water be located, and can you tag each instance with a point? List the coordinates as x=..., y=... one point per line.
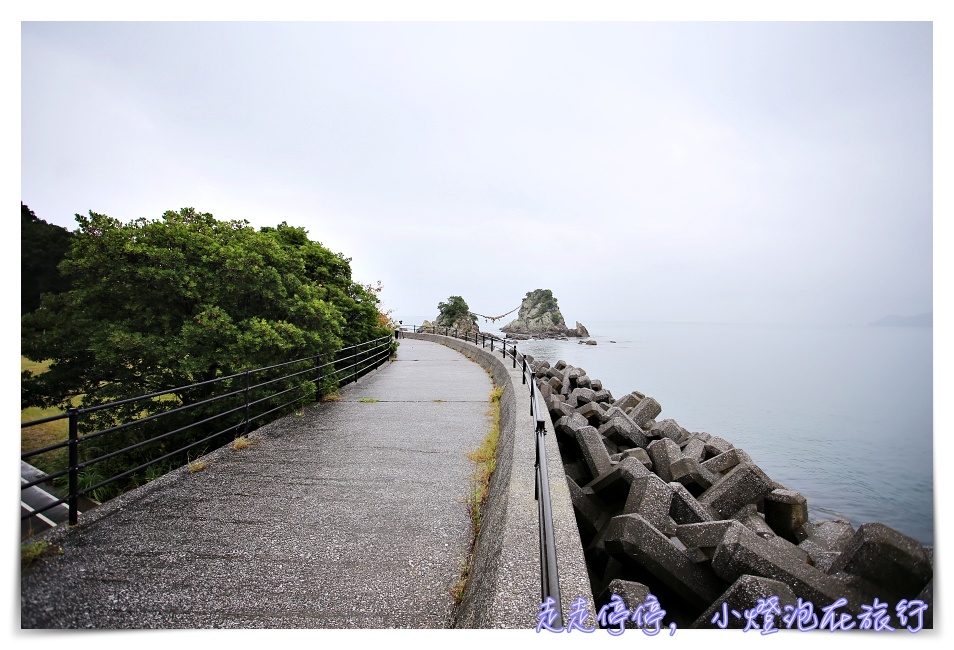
x=843, y=414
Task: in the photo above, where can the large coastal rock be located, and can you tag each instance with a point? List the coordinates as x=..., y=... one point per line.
x=461, y=325
x=540, y=317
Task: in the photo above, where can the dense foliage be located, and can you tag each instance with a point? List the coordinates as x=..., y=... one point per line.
x=542, y=301
x=453, y=312
x=42, y=247
x=156, y=304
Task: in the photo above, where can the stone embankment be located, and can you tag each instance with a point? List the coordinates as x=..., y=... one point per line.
x=692, y=519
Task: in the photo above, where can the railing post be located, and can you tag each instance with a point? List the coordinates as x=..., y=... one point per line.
x=523, y=375
x=514, y=349
x=532, y=384
x=491, y=344
x=74, y=463
x=245, y=431
x=318, y=378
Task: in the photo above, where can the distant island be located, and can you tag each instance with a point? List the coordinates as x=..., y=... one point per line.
x=921, y=320
x=540, y=317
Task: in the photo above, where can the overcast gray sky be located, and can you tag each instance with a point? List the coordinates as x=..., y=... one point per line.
x=750, y=172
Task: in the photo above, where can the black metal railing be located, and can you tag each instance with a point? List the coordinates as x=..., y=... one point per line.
x=549, y=572
x=234, y=404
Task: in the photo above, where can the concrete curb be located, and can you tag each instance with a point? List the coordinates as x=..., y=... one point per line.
x=504, y=589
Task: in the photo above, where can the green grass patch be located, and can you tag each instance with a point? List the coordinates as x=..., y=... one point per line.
x=369, y=400
x=48, y=433
x=36, y=367
x=485, y=459
x=32, y=552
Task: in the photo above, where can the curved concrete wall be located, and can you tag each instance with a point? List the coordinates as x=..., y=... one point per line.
x=504, y=589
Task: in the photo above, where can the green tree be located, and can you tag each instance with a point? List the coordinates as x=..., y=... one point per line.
x=156, y=304
x=42, y=247
x=453, y=312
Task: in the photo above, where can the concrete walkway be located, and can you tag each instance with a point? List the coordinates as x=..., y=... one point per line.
x=352, y=515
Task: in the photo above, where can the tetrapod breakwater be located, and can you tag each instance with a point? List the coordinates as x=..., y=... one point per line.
x=688, y=523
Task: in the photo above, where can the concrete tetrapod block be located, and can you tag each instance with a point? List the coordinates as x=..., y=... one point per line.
x=821, y=558
x=650, y=497
x=745, y=484
x=630, y=539
x=695, y=448
x=612, y=411
x=645, y=411
x=559, y=408
x=690, y=473
x=592, y=412
x=785, y=512
x=633, y=594
x=716, y=445
x=593, y=451
x=824, y=541
x=887, y=558
x=622, y=431
x=627, y=401
x=580, y=396
x=671, y=429
x=745, y=594
x=637, y=453
x=664, y=452
x=591, y=516
x=613, y=486
x=568, y=425
x=749, y=517
x=570, y=376
x=545, y=390
x=576, y=469
x=684, y=508
x=743, y=552
x=706, y=535
x=831, y=535
x=726, y=460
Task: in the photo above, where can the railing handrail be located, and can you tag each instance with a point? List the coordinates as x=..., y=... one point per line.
x=549, y=571
x=366, y=356
x=179, y=389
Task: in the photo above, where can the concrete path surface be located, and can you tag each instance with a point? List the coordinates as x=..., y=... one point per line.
x=351, y=515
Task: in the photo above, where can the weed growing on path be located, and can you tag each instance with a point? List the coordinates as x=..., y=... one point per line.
x=30, y=553
x=484, y=458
